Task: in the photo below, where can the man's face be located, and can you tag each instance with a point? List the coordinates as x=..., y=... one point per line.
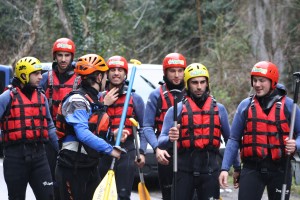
x=116, y=76
x=63, y=59
x=35, y=78
x=197, y=85
x=175, y=75
x=261, y=85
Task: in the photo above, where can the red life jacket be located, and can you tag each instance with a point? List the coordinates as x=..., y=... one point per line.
x=25, y=120
x=114, y=111
x=164, y=102
x=264, y=135
x=55, y=91
x=200, y=128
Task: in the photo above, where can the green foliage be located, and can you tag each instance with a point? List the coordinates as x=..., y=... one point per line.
x=149, y=29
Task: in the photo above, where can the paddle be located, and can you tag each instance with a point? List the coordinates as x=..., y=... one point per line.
x=107, y=189
x=292, y=124
x=142, y=190
x=174, y=188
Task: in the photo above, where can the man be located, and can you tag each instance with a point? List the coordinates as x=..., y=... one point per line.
x=57, y=83
x=26, y=125
x=201, y=123
x=159, y=101
x=81, y=121
x=260, y=129
x=124, y=168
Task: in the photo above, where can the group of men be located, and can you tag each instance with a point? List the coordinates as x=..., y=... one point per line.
x=77, y=106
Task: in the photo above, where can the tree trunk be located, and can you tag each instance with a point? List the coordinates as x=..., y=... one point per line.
x=64, y=19
x=34, y=25
x=268, y=21
x=199, y=19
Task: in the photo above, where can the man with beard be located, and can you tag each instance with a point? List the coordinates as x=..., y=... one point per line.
x=260, y=130
x=116, y=90
x=159, y=101
x=57, y=83
x=26, y=125
x=201, y=123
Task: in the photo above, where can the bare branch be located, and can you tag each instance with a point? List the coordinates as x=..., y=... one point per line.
x=34, y=25
x=141, y=17
x=63, y=18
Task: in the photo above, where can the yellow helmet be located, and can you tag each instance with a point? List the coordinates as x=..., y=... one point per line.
x=194, y=70
x=26, y=66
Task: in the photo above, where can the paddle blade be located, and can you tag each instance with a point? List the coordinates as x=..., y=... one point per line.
x=107, y=189
x=143, y=192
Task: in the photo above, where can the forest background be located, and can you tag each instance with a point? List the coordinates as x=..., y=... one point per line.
x=227, y=36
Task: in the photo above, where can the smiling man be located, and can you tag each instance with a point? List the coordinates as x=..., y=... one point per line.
x=116, y=92
x=260, y=130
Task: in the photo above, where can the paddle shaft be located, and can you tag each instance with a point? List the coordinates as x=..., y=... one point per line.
x=283, y=190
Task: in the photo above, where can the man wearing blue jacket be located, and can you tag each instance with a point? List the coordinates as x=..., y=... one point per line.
x=81, y=122
x=201, y=123
x=260, y=129
x=26, y=126
x=159, y=101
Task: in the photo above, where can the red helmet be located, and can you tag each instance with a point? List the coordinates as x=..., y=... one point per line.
x=266, y=69
x=174, y=60
x=117, y=61
x=63, y=44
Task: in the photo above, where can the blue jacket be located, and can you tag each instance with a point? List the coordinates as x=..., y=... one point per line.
x=149, y=119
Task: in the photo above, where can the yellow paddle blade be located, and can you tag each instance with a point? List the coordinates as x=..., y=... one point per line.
x=107, y=189
x=143, y=192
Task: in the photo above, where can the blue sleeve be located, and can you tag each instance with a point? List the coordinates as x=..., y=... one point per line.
x=4, y=99
x=44, y=81
x=51, y=128
x=236, y=132
x=163, y=139
x=79, y=120
x=289, y=105
x=139, y=109
x=149, y=118
x=226, y=131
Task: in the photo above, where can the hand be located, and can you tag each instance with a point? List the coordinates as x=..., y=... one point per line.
x=162, y=156
x=111, y=96
x=223, y=179
x=141, y=162
x=290, y=146
x=174, y=133
x=236, y=179
x=116, y=152
x=125, y=134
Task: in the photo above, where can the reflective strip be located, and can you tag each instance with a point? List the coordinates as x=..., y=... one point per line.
x=73, y=146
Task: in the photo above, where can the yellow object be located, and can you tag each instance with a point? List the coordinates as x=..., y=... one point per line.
x=143, y=192
x=26, y=66
x=195, y=70
x=133, y=121
x=135, y=61
x=107, y=189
